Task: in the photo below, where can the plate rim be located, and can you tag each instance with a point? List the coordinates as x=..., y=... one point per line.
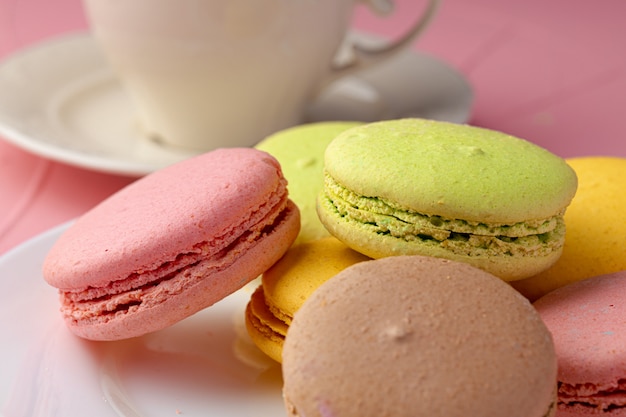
x=113, y=400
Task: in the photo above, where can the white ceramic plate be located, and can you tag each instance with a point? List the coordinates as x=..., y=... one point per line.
x=61, y=101
x=203, y=366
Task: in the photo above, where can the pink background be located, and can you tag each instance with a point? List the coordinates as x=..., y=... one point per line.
x=550, y=71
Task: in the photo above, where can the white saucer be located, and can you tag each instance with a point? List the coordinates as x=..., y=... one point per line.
x=60, y=100
x=203, y=365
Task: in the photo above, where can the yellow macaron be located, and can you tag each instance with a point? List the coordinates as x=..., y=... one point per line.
x=595, y=238
x=288, y=284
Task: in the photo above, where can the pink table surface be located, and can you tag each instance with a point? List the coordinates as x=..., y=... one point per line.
x=550, y=71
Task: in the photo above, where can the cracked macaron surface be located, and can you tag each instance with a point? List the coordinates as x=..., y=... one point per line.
x=415, y=186
x=172, y=243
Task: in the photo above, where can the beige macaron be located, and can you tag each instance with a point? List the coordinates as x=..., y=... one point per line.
x=418, y=336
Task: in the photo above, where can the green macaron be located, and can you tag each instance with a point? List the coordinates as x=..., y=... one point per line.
x=424, y=187
x=300, y=151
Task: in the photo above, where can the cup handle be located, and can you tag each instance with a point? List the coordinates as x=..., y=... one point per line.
x=363, y=56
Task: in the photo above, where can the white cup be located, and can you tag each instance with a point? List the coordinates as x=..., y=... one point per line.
x=204, y=74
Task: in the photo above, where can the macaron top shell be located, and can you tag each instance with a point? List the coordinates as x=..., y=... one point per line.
x=156, y=220
x=454, y=167
x=411, y=335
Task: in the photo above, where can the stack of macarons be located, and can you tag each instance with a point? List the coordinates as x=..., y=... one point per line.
x=360, y=206
x=580, y=295
x=420, y=187
x=382, y=270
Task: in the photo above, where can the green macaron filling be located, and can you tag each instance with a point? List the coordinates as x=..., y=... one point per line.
x=376, y=215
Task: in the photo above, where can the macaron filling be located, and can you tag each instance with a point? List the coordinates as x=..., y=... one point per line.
x=264, y=318
x=594, y=398
x=536, y=237
x=152, y=285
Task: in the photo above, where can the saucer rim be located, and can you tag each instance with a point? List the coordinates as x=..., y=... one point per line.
x=129, y=166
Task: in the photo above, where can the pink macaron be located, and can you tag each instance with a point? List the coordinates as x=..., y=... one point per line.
x=172, y=243
x=587, y=320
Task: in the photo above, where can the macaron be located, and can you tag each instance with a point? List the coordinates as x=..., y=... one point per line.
x=595, y=243
x=287, y=284
x=172, y=243
x=300, y=151
x=418, y=336
x=424, y=187
x=586, y=319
